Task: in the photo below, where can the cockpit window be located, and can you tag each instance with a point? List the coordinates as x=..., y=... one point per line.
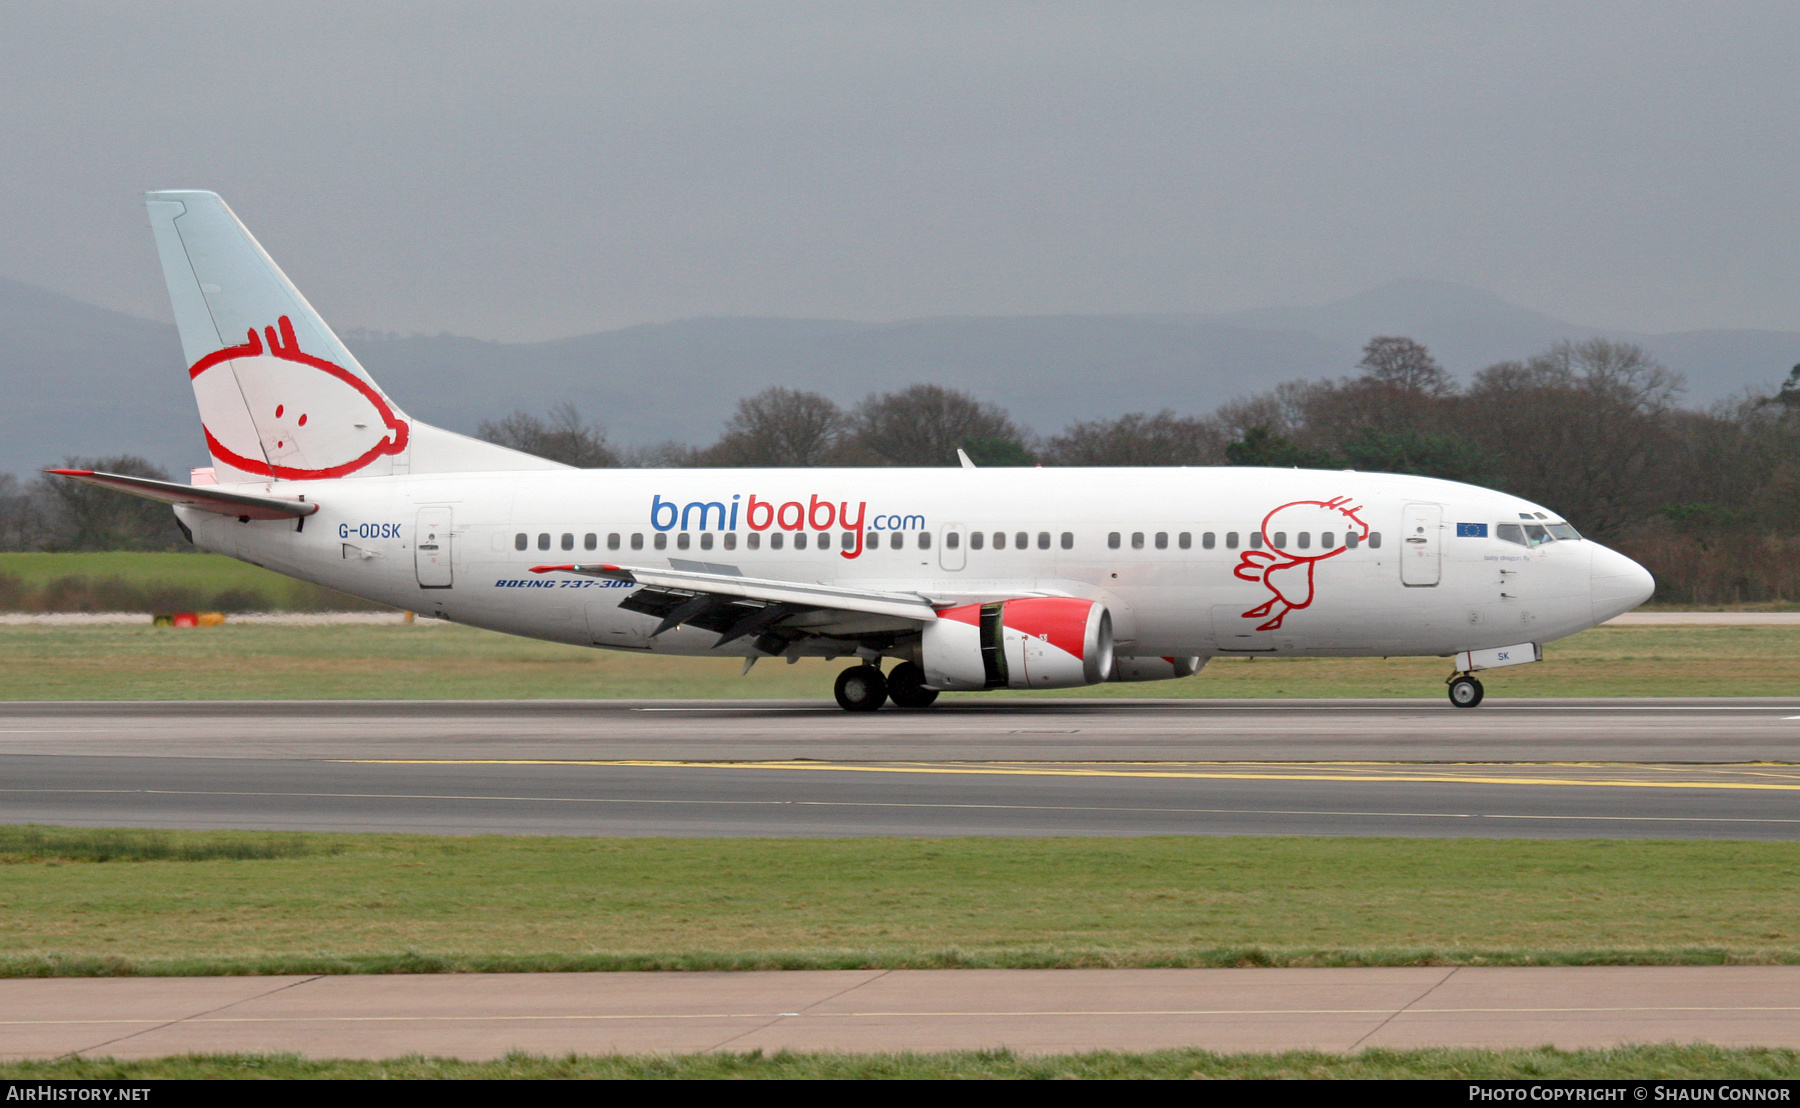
x=1535, y=535
x=1563, y=531
x=1510, y=532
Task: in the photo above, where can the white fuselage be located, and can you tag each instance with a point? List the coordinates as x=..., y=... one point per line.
x=1428, y=574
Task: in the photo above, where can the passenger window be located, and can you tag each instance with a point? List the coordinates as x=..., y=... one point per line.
x=612, y=541
x=824, y=540
x=799, y=540
x=1231, y=540
x=1162, y=540
x=1112, y=540
x=590, y=541
x=1185, y=540
x=753, y=540
x=681, y=541
x=1068, y=540
x=521, y=541
x=776, y=538
x=730, y=540
x=544, y=540
x=568, y=542
x=977, y=538
x=1510, y=532
x=1352, y=540
x=1137, y=540
x=1303, y=540
x=661, y=542
x=637, y=541
x=1206, y=541
x=1325, y=542
x=1021, y=541
x=1043, y=540
x=1281, y=540
x=999, y=540
x=952, y=539
x=896, y=541
x=849, y=540
x=1374, y=540
x=1256, y=540
x=924, y=540
x=706, y=540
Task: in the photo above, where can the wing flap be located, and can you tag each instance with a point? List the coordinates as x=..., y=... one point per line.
x=241, y=505
x=794, y=593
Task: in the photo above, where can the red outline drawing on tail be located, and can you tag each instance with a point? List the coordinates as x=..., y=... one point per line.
x=283, y=344
x=1289, y=575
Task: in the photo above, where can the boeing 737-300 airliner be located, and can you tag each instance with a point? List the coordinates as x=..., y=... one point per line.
x=970, y=578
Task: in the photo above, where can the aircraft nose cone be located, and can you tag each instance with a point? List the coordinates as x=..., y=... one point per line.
x=1617, y=584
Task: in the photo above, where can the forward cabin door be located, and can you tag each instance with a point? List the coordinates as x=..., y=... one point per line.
x=431, y=548
x=1421, y=546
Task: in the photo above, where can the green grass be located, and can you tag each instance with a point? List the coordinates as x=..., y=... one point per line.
x=78, y=844
x=399, y=903
x=1664, y=1062
x=429, y=660
x=133, y=581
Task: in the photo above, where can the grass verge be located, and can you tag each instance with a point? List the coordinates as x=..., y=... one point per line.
x=1666, y=1062
x=421, y=904
x=429, y=660
x=163, y=581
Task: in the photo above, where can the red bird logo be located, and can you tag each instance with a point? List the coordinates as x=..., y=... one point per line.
x=1288, y=573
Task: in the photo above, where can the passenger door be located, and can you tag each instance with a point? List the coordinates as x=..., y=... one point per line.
x=1421, y=545
x=432, y=549
x=951, y=552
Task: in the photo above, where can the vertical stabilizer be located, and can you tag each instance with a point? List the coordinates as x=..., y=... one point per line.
x=280, y=395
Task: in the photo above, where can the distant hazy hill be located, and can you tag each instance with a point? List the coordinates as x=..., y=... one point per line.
x=83, y=380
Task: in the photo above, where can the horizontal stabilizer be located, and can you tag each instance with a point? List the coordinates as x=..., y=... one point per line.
x=208, y=498
x=904, y=605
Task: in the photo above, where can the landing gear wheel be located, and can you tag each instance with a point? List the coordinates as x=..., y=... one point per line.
x=906, y=687
x=861, y=689
x=1465, y=691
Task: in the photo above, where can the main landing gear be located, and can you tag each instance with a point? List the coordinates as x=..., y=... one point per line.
x=864, y=689
x=1465, y=691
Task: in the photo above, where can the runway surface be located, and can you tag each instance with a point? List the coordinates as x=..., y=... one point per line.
x=1649, y=768
x=1030, y=1011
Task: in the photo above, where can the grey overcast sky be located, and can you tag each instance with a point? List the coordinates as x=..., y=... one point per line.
x=531, y=170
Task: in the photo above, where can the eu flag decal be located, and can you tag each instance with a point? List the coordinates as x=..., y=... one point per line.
x=1471, y=530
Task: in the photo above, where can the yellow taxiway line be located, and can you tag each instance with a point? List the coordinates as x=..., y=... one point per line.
x=1198, y=771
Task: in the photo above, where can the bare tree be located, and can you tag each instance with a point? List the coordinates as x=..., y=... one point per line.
x=564, y=437
x=1581, y=428
x=1163, y=439
x=21, y=516
x=1402, y=364
x=925, y=425
x=780, y=427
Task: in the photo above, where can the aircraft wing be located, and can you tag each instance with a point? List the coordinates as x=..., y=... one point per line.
x=798, y=594
x=205, y=498
x=737, y=607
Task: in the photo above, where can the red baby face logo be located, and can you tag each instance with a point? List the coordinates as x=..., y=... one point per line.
x=307, y=418
x=1287, y=571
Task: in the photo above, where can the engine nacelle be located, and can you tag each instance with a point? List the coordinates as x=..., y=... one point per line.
x=1035, y=642
x=1155, y=669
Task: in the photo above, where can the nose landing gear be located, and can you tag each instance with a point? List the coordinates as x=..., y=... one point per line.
x=1465, y=690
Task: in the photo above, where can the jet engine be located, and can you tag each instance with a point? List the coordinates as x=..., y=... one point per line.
x=1034, y=642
